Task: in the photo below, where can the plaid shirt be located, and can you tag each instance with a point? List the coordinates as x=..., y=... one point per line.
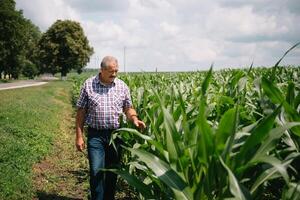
x=104, y=104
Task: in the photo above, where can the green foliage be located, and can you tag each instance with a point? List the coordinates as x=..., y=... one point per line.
x=225, y=134
x=17, y=40
x=28, y=124
x=29, y=69
x=64, y=47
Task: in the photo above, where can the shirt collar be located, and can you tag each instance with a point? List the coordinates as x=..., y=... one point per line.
x=103, y=84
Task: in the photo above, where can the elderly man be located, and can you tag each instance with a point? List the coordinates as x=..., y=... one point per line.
x=103, y=98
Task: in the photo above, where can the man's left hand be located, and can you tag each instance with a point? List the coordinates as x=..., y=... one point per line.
x=139, y=124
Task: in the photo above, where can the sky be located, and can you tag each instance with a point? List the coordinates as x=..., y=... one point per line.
x=179, y=35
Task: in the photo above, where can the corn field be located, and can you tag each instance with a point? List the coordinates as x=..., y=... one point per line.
x=229, y=134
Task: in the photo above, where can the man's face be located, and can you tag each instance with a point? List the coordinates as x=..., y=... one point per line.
x=109, y=73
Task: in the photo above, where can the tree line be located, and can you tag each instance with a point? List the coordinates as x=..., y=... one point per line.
x=25, y=50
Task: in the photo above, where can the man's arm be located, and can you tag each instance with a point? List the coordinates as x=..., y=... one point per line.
x=80, y=117
x=132, y=116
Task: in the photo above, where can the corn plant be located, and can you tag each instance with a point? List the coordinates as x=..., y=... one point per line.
x=229, y=134
x=197, y=147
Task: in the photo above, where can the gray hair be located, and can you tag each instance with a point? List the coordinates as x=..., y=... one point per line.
x=106, y=60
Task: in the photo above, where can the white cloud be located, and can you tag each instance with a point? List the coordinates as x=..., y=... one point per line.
x=176, y=35
x=169, y=29
x=103, y=32
x=242, y=21
x=45, y=13
x=96, y=6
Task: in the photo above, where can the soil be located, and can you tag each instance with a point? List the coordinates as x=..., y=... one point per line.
x=63, y=175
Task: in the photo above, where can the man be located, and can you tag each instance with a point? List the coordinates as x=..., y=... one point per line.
x=103, y=98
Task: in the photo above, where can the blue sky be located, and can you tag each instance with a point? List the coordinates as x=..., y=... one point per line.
x=179, y=35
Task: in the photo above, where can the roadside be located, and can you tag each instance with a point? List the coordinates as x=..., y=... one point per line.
x=62, y=174
x=31, y=121
x=43, y=79
x=21, y=84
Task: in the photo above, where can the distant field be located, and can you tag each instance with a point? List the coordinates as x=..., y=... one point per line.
x=29, y=120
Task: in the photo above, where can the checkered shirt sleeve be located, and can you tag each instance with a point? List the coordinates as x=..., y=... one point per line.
x=82, y=101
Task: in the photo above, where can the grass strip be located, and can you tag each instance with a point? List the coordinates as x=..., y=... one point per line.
x=29, y=120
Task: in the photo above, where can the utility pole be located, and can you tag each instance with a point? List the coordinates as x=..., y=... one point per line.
x=124, y=57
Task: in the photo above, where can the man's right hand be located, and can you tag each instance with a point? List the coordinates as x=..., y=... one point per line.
x=80, y=144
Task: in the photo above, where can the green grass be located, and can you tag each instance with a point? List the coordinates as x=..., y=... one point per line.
x=5, y=81
x=29, y=120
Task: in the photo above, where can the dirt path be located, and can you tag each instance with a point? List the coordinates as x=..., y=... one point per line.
x=63, y=174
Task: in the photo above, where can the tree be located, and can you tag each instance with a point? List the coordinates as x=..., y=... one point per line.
x=18, y=37
x=29, y=69
x=33, y=35
x=9, y=37
x=64, y=47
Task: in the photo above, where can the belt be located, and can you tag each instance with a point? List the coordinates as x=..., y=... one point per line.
x=100, y=130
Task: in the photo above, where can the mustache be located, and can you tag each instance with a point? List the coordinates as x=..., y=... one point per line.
x=112, y=76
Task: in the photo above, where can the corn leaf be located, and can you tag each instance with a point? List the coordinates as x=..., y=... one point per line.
x=143, y=136
x=276, y=65
x=133, y=181
x=164, y=172
x=277, y=97
x=258, y=134
x=206, y=81
x=226, y=128
x=270, y=173
x=290, y=96
x=272, y=91
x=271, y=142
x=292, y=192
x=234, y=185
x=205, y=132
x=172, y=136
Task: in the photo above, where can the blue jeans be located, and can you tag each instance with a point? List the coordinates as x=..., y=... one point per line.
x=102, y=155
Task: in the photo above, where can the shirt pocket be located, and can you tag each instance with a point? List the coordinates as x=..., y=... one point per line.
x=118, y=102
x=95, y=101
